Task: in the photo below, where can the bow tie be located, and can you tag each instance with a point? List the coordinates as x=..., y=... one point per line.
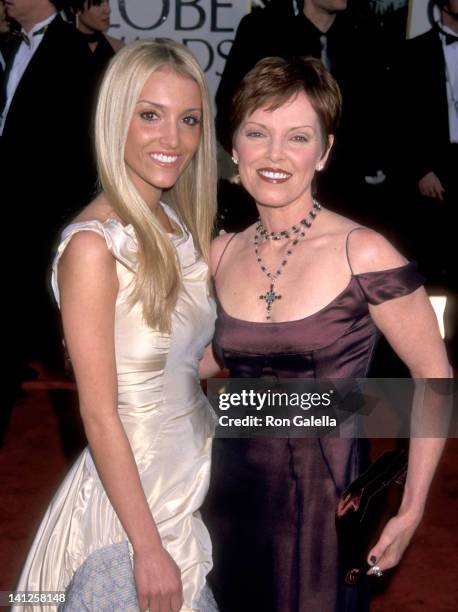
x=450, y=39
x=26, y=38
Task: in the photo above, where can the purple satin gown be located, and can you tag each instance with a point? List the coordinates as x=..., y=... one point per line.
x=271, y=505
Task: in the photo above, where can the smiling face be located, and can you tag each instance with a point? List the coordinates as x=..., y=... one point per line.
x=94, y=17
x=279, y=151
x=164, y=132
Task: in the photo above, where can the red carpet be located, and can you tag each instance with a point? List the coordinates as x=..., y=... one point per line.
x=45, y=435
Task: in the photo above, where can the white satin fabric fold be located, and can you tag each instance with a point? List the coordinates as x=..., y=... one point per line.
x=167, y=419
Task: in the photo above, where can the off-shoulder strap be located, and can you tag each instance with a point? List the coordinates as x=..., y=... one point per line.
x=222, y=254
x=384, y=285
x=346, y=246
x=120, y=243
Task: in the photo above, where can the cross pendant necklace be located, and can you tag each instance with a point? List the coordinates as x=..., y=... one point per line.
x=269, y=297
x=297, y=232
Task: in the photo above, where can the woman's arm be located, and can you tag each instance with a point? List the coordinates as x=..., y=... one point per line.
x=410, y=326
x=88, y=289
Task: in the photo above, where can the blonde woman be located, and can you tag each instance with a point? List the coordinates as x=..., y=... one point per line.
x=123, y=531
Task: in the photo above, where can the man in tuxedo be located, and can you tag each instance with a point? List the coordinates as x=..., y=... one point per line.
x=429, y=81
x=431, y=77
x=349, y=44
x=46, y=164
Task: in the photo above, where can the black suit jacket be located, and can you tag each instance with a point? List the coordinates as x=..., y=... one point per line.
x=45, y=149
x=426, y=112
x=262, y=33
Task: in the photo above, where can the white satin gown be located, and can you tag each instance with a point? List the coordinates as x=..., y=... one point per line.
x=169, y=425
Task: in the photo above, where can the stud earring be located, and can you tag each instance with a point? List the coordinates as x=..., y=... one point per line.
x=235, y=160
x=319, y=167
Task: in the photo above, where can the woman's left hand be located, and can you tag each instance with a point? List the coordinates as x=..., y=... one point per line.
x=393, y=541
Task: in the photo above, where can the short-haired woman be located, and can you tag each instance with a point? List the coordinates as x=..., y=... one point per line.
x=303, y=293
x=92, y=20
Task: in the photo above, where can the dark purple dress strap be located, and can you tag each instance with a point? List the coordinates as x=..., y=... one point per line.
x=222, y=254
x=388, y=284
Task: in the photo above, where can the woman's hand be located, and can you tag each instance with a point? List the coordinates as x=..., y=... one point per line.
x=158, y=581
x=393, y=541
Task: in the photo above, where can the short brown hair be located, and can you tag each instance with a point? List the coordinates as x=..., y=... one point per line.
x=275, y=80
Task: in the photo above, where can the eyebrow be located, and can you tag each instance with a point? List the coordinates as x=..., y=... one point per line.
x=290, y=129
x=164, y=106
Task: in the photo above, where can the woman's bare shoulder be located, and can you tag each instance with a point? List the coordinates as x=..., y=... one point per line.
x=89, y=248
x=370, y=251
x=217, y=248
x=221, y=243
x=86, y=250
x=367, y=249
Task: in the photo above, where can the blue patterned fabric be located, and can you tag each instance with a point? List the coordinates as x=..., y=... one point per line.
x=207, y=602
x=105, y=583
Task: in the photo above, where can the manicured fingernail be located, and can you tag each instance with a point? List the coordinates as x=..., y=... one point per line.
x=373, y=559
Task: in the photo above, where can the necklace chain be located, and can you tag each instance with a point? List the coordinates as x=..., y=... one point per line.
x=297, y=232
x=295, y=229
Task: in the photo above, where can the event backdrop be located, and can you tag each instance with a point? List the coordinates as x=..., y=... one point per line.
x=207, y=27
x=418, y=18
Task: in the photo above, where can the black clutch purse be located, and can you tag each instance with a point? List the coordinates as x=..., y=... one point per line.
x=364, y=509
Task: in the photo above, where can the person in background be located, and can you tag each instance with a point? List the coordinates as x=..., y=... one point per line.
x=13, y=378
x=304, y=293
x=428, y=89
x=123, y=532
x=92, y=20
x=46, y=162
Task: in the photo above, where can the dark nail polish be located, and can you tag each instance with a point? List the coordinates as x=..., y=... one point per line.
x=373, y=559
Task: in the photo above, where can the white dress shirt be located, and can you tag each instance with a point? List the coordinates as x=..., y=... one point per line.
x=451, y=63
x=21, y=61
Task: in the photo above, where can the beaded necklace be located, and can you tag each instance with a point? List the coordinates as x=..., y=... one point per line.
x=297, y=232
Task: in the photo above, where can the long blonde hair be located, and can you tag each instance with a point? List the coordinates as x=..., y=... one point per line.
x=158, y=279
